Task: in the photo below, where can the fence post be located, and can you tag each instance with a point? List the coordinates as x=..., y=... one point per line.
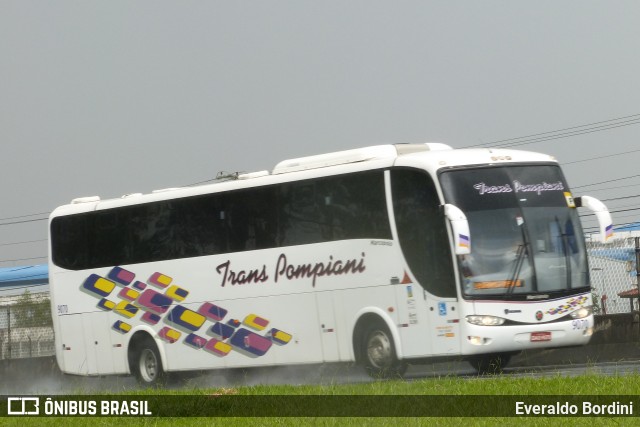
x=9, y=330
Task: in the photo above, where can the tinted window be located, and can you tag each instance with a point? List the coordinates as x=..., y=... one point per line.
x=422, y=231
x=303, y=212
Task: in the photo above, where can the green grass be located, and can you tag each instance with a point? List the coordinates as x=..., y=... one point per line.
x=583, y=385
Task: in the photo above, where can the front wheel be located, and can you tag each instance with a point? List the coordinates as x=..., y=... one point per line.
x=146, y=364
x=380, y=357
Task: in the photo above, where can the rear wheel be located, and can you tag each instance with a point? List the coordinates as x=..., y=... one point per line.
x=146, y=364
x=490, y=363
x=379, y=353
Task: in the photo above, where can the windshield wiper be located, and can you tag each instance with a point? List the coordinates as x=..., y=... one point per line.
x=520, y=255
x=565, y=250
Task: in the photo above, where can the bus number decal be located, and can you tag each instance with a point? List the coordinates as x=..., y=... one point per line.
x=580, y=324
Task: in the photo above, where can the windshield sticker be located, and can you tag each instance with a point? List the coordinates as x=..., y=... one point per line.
x=496, y=284
x=518, y=187
x=609, y=231
x=570, y=202
x=463, y=241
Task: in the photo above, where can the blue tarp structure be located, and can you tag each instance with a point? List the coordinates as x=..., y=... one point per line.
x=635, y=226
x=24, y=275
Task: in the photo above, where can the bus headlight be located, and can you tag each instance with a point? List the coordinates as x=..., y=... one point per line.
x=485, y=320
x=583, y=312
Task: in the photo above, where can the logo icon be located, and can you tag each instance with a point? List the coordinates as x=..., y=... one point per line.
x=539, y=315
x=23, y=406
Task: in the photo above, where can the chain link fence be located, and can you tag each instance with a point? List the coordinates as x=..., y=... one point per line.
x=613, y=275
x=25, y=326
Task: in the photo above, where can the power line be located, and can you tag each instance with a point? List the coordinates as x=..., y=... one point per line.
x=569, y=134
x=600, y=157
x=23, y=259
x=23, y=222
x=605, y=182
x=23, y=243
x=562, y=133
x=24, y=216
x=614, y=188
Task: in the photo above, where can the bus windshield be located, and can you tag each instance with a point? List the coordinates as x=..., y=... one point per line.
x=526, y=237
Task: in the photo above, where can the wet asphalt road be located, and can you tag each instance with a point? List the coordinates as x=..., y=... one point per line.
x=26, y=379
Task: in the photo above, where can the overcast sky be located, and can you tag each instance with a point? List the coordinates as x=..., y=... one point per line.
x=114, y=97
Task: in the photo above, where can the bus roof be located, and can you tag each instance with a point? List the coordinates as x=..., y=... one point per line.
x=433, y=155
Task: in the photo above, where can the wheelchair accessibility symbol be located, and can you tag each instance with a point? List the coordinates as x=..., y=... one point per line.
x=442, y=308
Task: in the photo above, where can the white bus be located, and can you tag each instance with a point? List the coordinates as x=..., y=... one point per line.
x=384, y=255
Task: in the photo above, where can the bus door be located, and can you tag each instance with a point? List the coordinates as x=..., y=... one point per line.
x=328, y=327
x=71, y=344
x=97, y=342
x=423, y=234
x=444, y=324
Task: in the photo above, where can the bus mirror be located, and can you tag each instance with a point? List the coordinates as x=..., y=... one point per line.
x=460, y=229
x=602, y=214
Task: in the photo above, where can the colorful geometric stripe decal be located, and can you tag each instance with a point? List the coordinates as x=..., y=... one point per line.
x=217, y=347
x=571, y=305
x=195, y=341
x=140, y=286
x=125, y=309
x=150, y=318
x=255, y=322
x=98, y=285
x=177, y=293
x=121, y=276
x=121, y=327
x=128, y=294
x=233, y=323
x=106, y=305
x=212, y=311
x=185, y=318
x=279, y=337
x=169, y=335
x=250, y=343
x=164, y=309
x=463, y=241
x=221, y=330
x=160, y=280
x=155, y=302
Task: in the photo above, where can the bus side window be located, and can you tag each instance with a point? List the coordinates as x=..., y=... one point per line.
x=422, y=231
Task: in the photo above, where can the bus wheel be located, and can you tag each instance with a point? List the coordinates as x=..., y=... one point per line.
x=146, y=364
x=489, y=363
x=380, y=354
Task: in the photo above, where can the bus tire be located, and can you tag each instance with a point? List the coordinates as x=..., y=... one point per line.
x=146, y=364
x=490, y=363
x=379, y=352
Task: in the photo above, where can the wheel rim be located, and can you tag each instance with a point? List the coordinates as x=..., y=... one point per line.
x=379, y=350
x=148, y=365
